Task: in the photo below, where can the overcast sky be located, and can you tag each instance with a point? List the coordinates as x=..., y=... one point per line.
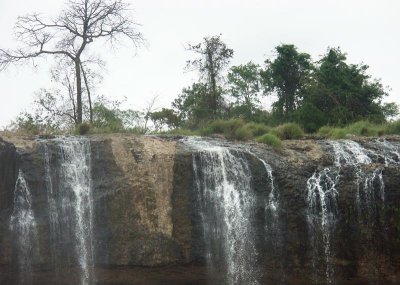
x=368, y=31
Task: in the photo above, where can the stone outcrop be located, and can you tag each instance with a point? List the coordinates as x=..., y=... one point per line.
x=8, y=176
x=147, y=221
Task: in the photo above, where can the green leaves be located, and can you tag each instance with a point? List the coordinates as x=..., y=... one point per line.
x=244, y=85
x=286, y=76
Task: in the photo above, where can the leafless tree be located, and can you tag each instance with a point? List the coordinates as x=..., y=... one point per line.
x=81, y=23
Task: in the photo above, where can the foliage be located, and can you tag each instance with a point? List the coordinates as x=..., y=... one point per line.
x=27, y=124
x=164, y=118
x=325, y=131
x=69, y=35
x=235, y=129
x=287, y=76
x=230, y=129
x=191, y=106
x=243, y=134
x=244, y=86
x=257, y=129
x=288, y=131
x=338, y=133
x=341, y=93
x=226, y=127
x=393, y=128
x=83, y=128
x=182, y=132
x=271, y=140
x=390, y=110
x=365, y=128
x=332, y=132
x=213, y=57
x=360, y=128
x=107, y=119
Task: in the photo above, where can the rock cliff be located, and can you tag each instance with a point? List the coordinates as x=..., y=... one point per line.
x=148, y=221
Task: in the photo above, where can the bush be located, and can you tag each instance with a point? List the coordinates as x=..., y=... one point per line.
x=243, y=134
x=183, y=132
x=217, y=127
x=270, y=140
x=393, y=128
x=338, y=133
x=288, y=131
x=257, y=129
x=364, y=128
x=83, y=128
x=326, y=131
x=228, y=128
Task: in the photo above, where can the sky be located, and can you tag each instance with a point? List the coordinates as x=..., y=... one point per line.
x=368, y=31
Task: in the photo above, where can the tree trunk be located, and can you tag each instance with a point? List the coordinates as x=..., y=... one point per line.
x=214, y=95
x=88, y=93
x=78, y=91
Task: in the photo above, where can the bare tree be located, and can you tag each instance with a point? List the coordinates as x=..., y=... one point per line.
x=81, y=23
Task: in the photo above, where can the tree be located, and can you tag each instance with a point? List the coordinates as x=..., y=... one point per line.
x=342, y=93
x=214, y=57
x=164, y=118
x=192, y=105
x=286, y=76
x=80, y=24
x=244, y=87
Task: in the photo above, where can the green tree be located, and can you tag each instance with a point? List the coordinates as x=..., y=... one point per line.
x=164, y=118
x=213, y=58
x=286, y=76
x=192, y=105
x=342, y=93
x=244, y=86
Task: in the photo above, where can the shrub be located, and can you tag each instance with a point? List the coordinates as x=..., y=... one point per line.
x=84, y=128
x=228, y=128
x=325, y=131
x=271, y=140
x=393, y=128
x=218, y=127
x=288, y=131
x=257, y=129
x=243, y=134
x=182, y=132
x=338, y=133
x=364, y=128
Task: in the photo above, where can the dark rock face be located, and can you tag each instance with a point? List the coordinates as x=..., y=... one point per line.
x=8, y=176
x=147, y=222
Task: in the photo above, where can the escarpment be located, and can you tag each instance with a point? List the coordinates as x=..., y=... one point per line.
x=125, y=209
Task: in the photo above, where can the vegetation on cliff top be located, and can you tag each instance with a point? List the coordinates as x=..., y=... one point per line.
x=328, y=96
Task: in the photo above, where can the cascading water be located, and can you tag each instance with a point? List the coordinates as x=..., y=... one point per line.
x=273, y=231
x=222, y=181
x=322, y=209
x=272, y=204
x=322, y=194
x=70, y=204
x=389, y=151
x=322, y=202
x=23, y=225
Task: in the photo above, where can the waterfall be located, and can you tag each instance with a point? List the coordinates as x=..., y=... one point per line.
x=389, y=151
x=222, y=181
x=322, y=194
x=273, y=230
x=273, y=203
x=70, y=204
x=23, y=225
x=322, y=209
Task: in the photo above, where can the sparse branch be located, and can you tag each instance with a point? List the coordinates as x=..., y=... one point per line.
x=68, y=35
